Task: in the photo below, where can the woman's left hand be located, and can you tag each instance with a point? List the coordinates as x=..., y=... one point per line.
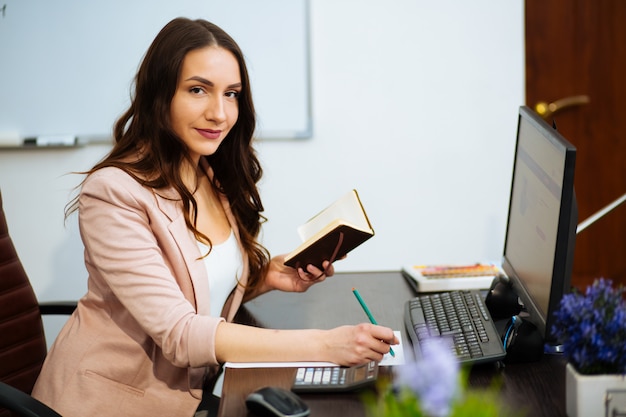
x=285, y=278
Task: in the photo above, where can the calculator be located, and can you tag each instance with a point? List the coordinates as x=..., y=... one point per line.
x=334, y=378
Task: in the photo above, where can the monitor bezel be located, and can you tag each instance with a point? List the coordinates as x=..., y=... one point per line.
x=566, y=231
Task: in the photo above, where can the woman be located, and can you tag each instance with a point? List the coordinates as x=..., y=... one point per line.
x=170, y=220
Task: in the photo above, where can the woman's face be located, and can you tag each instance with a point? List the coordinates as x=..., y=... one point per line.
x=205, y=105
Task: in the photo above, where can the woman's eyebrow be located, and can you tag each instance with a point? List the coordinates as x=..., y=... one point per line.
x=200, y=80
x=210, y=83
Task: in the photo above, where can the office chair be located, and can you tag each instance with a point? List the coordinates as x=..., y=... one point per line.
x=22, y=338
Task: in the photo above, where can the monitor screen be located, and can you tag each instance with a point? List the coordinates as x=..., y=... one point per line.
x=542, y=219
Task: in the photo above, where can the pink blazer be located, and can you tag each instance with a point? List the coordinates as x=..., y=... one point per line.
x=142, y=340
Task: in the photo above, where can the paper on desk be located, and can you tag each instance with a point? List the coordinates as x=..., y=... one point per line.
x=398, y=349
x=388, y=360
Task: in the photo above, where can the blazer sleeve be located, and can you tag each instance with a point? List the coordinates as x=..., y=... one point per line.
x=136, y=262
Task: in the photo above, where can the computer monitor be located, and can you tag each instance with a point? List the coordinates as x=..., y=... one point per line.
x=543, y=215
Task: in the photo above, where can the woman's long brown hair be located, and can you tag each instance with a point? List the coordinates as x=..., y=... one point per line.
x=147, y=148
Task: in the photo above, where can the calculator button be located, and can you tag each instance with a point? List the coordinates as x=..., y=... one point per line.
x=317, y=376
x=371, y=370
x=300, y=374
x=308, y=377
x=326, y=376
x=342, y=376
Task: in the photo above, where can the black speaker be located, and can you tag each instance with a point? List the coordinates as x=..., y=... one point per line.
x=522, y=341
x=502, y=300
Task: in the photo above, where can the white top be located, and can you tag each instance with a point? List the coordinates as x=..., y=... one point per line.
x=224, y=265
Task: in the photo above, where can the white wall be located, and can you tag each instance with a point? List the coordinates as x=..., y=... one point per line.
x=414, y=105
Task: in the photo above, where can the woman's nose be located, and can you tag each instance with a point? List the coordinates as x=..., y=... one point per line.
x=215, y=110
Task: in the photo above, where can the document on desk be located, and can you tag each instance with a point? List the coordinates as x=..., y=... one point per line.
x=388, y=360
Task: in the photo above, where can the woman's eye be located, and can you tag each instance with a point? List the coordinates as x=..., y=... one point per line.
x=196, y=90
x=232, y=94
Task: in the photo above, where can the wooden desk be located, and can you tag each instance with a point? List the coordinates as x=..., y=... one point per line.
x=538, y=387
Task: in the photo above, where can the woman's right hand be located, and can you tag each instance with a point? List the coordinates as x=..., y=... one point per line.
x=362, y=343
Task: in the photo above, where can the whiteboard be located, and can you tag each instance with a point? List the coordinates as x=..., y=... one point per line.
x=66, y=66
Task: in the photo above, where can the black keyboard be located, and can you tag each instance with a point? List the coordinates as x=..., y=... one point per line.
x=460, y=316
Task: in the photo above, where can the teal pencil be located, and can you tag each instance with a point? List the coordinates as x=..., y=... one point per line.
x=369, y=314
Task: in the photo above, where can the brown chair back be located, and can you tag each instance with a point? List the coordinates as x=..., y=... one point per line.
x=22, y=338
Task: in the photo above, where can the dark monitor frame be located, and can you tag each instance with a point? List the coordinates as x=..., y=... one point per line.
x=566, y=232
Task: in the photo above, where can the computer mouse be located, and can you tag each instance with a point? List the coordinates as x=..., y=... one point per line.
x=276, y=402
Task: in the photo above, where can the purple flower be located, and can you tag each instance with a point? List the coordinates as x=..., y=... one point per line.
x=434, y=378
x=592, y=328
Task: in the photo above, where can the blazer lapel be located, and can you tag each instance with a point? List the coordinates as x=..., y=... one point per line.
x=195, y=285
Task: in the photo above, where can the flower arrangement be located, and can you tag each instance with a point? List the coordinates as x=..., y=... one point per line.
x=434, y=386
x=592, y=328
